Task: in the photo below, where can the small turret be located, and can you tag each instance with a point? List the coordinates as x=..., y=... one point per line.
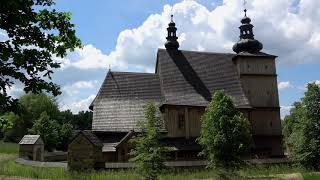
x=172, y=38
x=247, y=43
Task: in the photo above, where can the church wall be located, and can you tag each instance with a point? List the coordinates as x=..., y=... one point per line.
x=261, y=90
x=256, y=65
x=265, y=122
x=183, y=121
x=259, y=81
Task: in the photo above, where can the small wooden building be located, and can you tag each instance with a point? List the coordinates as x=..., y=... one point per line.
x=85, y=152
x=31, y=147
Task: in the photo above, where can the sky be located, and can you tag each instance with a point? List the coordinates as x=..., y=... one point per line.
x=124, y=35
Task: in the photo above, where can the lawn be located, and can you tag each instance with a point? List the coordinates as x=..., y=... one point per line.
x=8, y=148
x=11, y=170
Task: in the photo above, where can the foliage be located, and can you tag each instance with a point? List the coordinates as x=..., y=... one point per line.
x=64, y=136
x=302, y=128
x=80, y=121
x=6, y=129
x=6, y=122
x=36, y=33
x=148, y=154
x=225, y=133
x=30, y=107
x=48, y=129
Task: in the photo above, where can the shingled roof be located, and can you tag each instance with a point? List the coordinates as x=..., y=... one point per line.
x=120, y=102
x=190, y=78
x=31, y=139
x=181, y=78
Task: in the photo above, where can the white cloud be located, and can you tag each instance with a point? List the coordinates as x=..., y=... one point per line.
x=285, y=110
x=15, y=91
x=294, y=36
x=74, y=88
x=81, y=105
x=284, y=85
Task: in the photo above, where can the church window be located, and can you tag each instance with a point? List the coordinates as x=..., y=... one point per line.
x=266, y=67
x=181, y=121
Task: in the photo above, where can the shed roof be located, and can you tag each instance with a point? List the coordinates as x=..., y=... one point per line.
x=31, y=139
x=90, y=136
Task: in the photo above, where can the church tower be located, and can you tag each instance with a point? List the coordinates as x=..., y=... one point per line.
x=257, y=71
x=172, y=39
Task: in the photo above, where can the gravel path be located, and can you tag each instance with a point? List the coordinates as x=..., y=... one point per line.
x=41, y=164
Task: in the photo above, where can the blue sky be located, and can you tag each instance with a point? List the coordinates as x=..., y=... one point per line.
x=126, y=35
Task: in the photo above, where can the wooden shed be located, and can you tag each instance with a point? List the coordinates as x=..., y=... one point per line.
x=31, y=147
x=85, y=152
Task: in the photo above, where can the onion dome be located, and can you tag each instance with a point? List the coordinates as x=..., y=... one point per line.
x=172, y=38
x=247, y=43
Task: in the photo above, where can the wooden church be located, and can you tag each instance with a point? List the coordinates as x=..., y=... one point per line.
x=182, y=86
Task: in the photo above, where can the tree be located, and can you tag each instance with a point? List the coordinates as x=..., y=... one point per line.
x=48, y=129
x=302, y=129
x=6, y=122
x=148, y=153
x=82, y=120
x=35, y=35
x=30, y=108
x=65, y=134
x=225, y=134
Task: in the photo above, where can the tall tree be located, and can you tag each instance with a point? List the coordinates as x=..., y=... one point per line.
x=302, y=129
x=36, y=33
x=148, y=153
x=225, y=134
x=48, y=129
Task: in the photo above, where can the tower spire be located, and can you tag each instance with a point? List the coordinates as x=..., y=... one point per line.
x=247, y=43
x=245, y=8
x=172, y=38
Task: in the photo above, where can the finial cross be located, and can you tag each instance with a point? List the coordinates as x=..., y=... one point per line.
x=245, y=7
x=172, y=14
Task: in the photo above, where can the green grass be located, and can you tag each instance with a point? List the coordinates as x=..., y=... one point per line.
x=8, y=148
x=311, y=176
x=8, y=168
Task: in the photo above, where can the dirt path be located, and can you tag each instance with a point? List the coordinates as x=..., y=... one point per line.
x=41, y=164
x=15, y=178
x=5, y=157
